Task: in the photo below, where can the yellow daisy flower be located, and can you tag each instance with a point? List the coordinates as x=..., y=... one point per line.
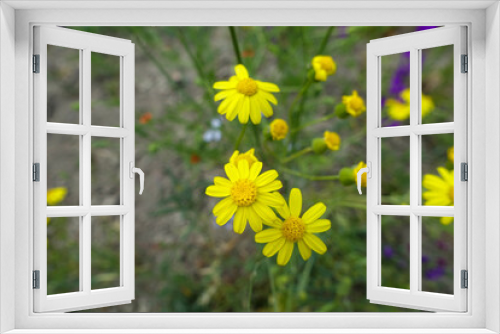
x=354, y=104
x=279, y=129
x=249, y=156
x=324, y=66
x=246, y=195
x=401, y=110
x=245, y=97
x=295, y=229
x=440, y=190
x=451, y=154
x=56, y=195
x=332, y=140
x=355, y=171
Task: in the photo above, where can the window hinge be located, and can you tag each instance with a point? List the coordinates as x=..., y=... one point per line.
x=465, y=64
x=36, y=279
x=464, y=279
x=464, y=171
x=36, y=63
x=36, y=172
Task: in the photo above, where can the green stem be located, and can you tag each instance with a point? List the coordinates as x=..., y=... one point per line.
x=297, y=154
x=273, y=287
x=310, y=177
x=240, y=137
x=325, y=40
x=298, y=97
x=316, y=121
x=236, y=47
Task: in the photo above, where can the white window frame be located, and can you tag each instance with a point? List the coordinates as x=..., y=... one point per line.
x=16, y=21
x=414, y=43
x=85, y=44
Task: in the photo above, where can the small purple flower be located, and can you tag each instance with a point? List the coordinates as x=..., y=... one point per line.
x=386, y=122
x=342, y=32
x=434, y=274
x=425, y=259
x=425, y=28
x=399, y=80
x=388, y=251
x=441, y=262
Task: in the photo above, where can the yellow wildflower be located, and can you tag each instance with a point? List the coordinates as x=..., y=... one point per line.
x=354, y=104
x=56, y=195
x=332, y=140
x=440, y=190
x=246, y=195
x=279, y=129
x=451, y=154
x=245, y=97
x=355, y=171
x=324, y=66
x=293, y=229
x=249, y=156
x=401, y=110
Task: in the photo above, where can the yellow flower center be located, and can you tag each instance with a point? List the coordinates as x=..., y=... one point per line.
x=326, y=63
x=244, y=192
x=451, y=193
x=356, y=103
x=247, y=87
x=293, y=229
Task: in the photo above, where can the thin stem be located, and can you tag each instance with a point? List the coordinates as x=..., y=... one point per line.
x=240, y=137
x=297, y=154
x=325, y=40
x=273, y=287
x=310, y=177
x=236, y=47
x=316, y=121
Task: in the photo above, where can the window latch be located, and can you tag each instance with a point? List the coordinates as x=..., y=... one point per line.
x=139, y=171
x=368, y=171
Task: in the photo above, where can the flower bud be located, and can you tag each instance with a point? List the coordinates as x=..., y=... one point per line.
x=341, y=111
x=345, y=176
x=319, y=145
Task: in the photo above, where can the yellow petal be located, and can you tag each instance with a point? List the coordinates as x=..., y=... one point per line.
x=225, y=204
x=273, y=247
x=226, y=104
x=446, y=220
x=243, y=169
x=241, y=71
x=222, y=181
x=268, y=235
x=433, y=182
x=218, y=191
x=232, y=172
x=285, y=253
x=255, y=114
x=266, y=178
x=268, y=96
x=304, y=250
x=273, y=186
x=270, y=199
x=226, y=215
x=255, y=170
x=234, y=107
x=315, y=243
x=244, y=112
x=314, y=213
x=295, y=202
x=224, y=94
x=267, y=86
x=265, y=107
x=254, y=220
x=284, y=211
x=240, y=220
x=320, y=225
x=446, y=175
x=320, y=75
x=264, y=212
x=225, y=85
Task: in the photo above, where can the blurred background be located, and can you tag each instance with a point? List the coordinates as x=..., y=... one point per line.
x=184, y=261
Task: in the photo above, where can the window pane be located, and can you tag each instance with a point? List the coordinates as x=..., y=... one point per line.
x=63, y=255
x=63, y=84
x=437, y=170
x=395, y=89
x=105, y=171
x=105, y=252
x=437, y=254
x=437, y=84
x=395, y=251
x=395, y=170
x=105, y=89
x=63, y=170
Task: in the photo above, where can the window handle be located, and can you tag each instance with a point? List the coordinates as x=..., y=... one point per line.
x=141, y=176
x=366, y=170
